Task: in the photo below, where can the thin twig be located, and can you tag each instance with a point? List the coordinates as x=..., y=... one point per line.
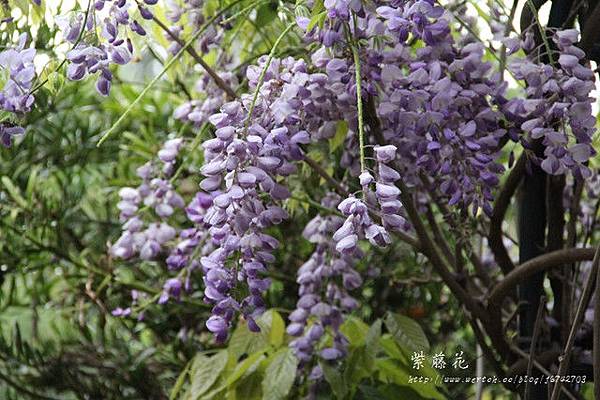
x=596, y=339
x=577, y=320
x=534, y=337
x=192, y=52
x=542, y=369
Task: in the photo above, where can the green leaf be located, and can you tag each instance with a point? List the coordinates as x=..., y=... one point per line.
x=248, y=365
x=14, y=192
x=355, y=331
x=317, y=19
x=250, y=387
x=406, y=332
x=369, y=393
x=245, y=342
x=373, y=336
x=393, y=372
x=358, y=366
x=389, y=391
x=266, y=14
x=390, y=348
x=335, y=380
x=180, y=381
x=206, y=371
x=341, y=132
x=392, y=392
x=280, y=375
x=273, y=326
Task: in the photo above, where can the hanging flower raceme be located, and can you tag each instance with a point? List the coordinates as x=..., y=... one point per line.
x=325, y=282
x=438, y=106
x=213, y=97
x=242, y=167
x=16, y=97
x=558, y=108
x=156, y=193
x=191, y=13
x=94, y=53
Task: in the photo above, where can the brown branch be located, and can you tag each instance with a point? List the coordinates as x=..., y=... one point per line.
x=545, y=358
x=480, y=270
x=577, y=320
x=534, y=338
x=218, y=81
x=590, y=37
x=438, y=236
x=500, y=206
x=555, y=241
x=319, y=170
x=531, y=267
x=596, y=340
x=486, y=349
x=428, y=247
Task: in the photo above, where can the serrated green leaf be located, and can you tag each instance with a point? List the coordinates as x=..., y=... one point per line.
x=406, y=332
x=280, y=375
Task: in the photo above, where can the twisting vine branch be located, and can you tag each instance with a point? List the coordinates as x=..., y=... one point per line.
x=499, y=212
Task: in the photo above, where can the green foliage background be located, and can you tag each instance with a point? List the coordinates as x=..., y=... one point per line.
x=58, y=216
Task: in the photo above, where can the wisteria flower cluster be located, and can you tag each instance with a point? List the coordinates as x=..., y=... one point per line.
x=186, y=13
x=558, y=107
x=16, y=97
x=435, y=113
x=94, y=53
x=242, y=165
x=325, y=282
x=157, y=193
x=197, y=111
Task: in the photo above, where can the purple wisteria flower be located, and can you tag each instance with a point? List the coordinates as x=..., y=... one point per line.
x=156, y=192
x=94, y=54
x=325, y=282
x=16, y=97
x=558, y=108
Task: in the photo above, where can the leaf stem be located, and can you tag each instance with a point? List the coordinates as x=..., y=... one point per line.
x=263, y=73
x=163, y=71
x=359, y=103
